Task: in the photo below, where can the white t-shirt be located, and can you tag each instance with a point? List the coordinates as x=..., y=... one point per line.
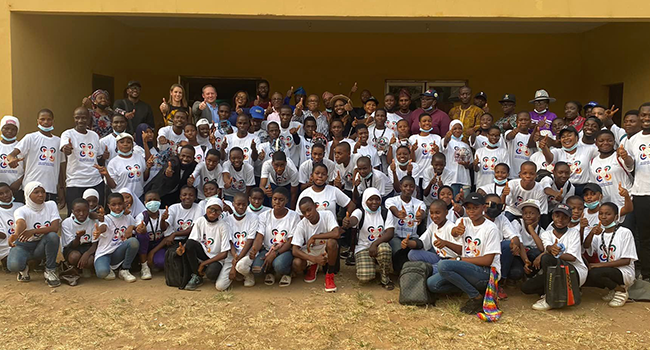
x=578, y=162
x=427, y=176
x=455, y=152
x=539, y=160
x=518, y=195
x=268, y=153
x=199, y=154
x=549, y=182
x=242, y=230
x=505, y=228
x=181, y=219
x=34, y=220
x=80, y=171
x=277, y=231
x=373, y=228
x=202, y=175
x=639, y=148
x=482, y=240
x=307, y=166
x=571, y=241
x=289, y=176
x=129, y=173
x=7, y=227
x=519, y=152
x=43, y=159
x=350, y=142
x=425, y=152
x=524, y=236
x=378, y=180
x=608, y=173
x=246, y=144
x=492, y=188
x=69, y=230
x=444, y=233
x=213, y=236
x=305, y=148
x=482, y=141
x=612, y=246
x=408, y=225
x=239, y=179
x=487, y=160
x=391, y=121
x=416, y=172
x=153, y=225
x=7, y=174
x=370, y=152
x=347, y=172
x=325, y=200
x=305, y=229
x=220, y=136
x=111, y=239
x=380, y=138
x=286, y=137
x=173, y=139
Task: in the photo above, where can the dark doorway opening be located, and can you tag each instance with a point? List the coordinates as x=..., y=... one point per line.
x=616, y=99
x=107, y=83
x=226, y=87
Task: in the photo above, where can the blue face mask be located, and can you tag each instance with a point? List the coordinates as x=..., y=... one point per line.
x=575, y=221
x=44, y=129
x=592, y=205
x=369, y=175
x=10, y=203
x=255, y=209
x=79, y=222
x=612, y=224
x=117, y=215
x=570, y=148
x=500, y=182
x=372, y=211
x=492, y=144
x=402, y=164
x=457, y=138
x=152, y=206
x=328, y=110
x=126, y=154
x=9, y=139
x=428, y=130
x=236, y=214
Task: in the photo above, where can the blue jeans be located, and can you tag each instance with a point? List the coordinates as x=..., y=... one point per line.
x=456, y=189
x=517, y=266
x=126, y=252
x=506, y=259
x=47, y=247
x=459, y=275
x=281, y=264
x=426, y=256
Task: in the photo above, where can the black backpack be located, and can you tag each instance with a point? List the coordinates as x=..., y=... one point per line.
x=174, y=269
x=413, y=284
x=562, y=285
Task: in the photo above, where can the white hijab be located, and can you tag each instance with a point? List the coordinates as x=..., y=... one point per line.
x=29, y=189
x=137, y=207
x=369, y=192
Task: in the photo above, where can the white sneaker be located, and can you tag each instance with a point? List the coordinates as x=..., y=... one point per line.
x=23, y=276
x=609, y=296
x=145, y=272
x=541, y=304
x=249, y=280
x=110, y=276
x=126, y=275
x=620, y=298
x=86, y=273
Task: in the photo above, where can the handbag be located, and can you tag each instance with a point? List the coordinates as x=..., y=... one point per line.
x=562, y=285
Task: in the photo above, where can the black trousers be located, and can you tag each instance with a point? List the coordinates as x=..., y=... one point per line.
x=641, y=210
x=535, y=285
x=193, y=253
x=605, y=277
x=72, y=193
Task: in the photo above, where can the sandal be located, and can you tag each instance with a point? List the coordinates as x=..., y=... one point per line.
x=270, y=279
x=285, y=281
x=388, y=285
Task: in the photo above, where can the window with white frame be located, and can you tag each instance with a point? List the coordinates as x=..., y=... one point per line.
x=447, y=90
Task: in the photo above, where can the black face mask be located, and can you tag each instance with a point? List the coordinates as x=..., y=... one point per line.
x=560, y=230
x=494, y=210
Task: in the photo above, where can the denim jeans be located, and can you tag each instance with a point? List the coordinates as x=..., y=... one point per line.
x=47, y=247
x=517, y=266
x=426, y=256
x=454, y=275
x=456, y=189
x=506, y=259
x=281, y=264
x=125, y=253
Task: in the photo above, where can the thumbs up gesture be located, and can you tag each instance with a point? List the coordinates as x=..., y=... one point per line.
x=354, y=88
x=598, y=229
x=543, y=143
x=560, y=195
x=622, y=153
x=300, y=104
x=392, y=165
x=402, y=213
x=405, y=241
x=130, y=115
x=96, y=232
x=164, y=108
x=67, y=148
x=203, y=105
x=81, y=233
x=181, y=249
x=419, y=215
x=622, y=191
x=141, y=228
x=459, y=230
x=337, y=180
x=506, y=190
x=435, y=148
x=438, y=243
x=169, y=171
x=261, y=155
x=555, y=248
x=393, y=139
x=165, y=215
x=409, y=168
x=414, y=147
x=346, y=220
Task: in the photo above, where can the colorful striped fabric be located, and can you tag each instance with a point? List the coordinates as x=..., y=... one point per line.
x=491, y=312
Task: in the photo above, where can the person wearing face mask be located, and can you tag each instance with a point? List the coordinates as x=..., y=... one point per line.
x=593, y=198
x=541, y=113
x=128, y=169
x=9, y=127
x=77, y=240
x=9, y=206
x=439, y=119
x=150, y=228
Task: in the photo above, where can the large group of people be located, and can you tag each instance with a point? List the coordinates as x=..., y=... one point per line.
x=290, y=185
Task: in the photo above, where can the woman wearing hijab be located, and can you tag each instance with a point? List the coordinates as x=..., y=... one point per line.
x=35, y=238
x=132, y=203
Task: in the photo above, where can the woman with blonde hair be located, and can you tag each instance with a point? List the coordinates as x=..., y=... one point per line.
x=177, y=101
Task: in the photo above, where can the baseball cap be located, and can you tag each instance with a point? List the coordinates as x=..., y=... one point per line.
x=10, y=119
x=372, y=98
x=474, y=198
x=568, y=128
x=592, y=187
x=123, y=135
x=563, y=208
x=430, y=93
x=257, y=112
x=508, y=98
x=529, y=203
x=482, y=95
x=133, y=82
x=300, y=91
x=591, y=104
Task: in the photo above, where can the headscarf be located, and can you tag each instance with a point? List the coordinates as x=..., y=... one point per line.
x=11, y=120
x=369, y=192
x=29, y=189
x=454, y=122
x=404, y=92
x=137, y=207
x=213, y=201
x=90, y=193
x=93, y=97
x=138, y=135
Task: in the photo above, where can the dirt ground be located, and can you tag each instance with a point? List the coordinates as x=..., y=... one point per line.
x=150, y=315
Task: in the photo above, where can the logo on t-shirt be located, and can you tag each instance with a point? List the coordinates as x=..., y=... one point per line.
x=39, y=225
x=278, y=236
x=85, y=238
x=472, y=246
x=409, y=222
x=240, y=240
x=238, y=184
x=602, y=173
x=134, y=171
x=3, y=161
x=198, y=158
x=489, y=163
x=575, y=167
x=375, y=232
x=246, y=151
x=47, y=154
x=86, y=150
x=427, y=148
x=207, y=242
x=522, y=148
x=118, y=233
x=645, y=151
x=323, y=205
x=183, y=224
x=288, y=141
x=603, y=255
x=12, y=229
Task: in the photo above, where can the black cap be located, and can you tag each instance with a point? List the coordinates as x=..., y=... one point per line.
x=133, y=82
x=592, y=187
x=568, y=128
x=474, y=198
x=563, y=208
x=482, y=95
x=373, y=99
x=508, y=98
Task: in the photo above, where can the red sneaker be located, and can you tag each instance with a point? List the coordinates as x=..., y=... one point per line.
x=330, y=286
x=502, y=294
x=310, y=276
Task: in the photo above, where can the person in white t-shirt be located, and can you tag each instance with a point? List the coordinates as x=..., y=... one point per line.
x=238, y=176
x=459, y=156
x=364, y=149
x=520, y=143
x=372, y=246
x=346, y=162
x=280, y=172
x=486, y=158
x=558, y=187
x=191, y=132
x=434, y=177
x=560, y=242
x=611, y=167
x=315, y=243
x=424, y=144
x=242, y=139
x=170, y=136
x=478, y=255
x=256, y=201
x=128, y=169
x=266, y=149
x=367, y=177
x=7, y=208
x=518, y=190
x=501, y=173
x=306, y=168
x=77, y=240
x=35, y=238
x=9, y=127
x=82, y=148
x=290, y=134
x=206, y=171
x=381, y=136
x=150, y=228
x=207, y=246
x=402, y=165
x=42, y=157
x=530, y=246
x=181, y=216
x=325, y=197
x=616, y=252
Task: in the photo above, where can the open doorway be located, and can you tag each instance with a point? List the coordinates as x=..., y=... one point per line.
x=616, y=99
x=226, y=87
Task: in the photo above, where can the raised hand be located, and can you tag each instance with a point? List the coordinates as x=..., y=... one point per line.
x=419, y=215
x=354, y=88
x=622, y=191
x=13, y=161
x=151, y=161
x=543, y=143
x=622, y=153
x=438, y=243
x=346, y=220
x=300, y=104
x=181, y=249
x=164, y=107
x=67, y=148
x=555, y=248
x=414, y=147
x=261, y=155
x=293, y=131
x=165, y=214
x=459, y=230
x=81, y=233
x=405, y=241
x=506, y=189
x=337, y=180
x=141, y=228
x=96, y=232
x=435, y=148
x=598, y=229
x=393, y=139
x=256, y=102
x=611, y=111
x=102, y=170
x=290, y=92
x=392, y=165
x=130, y=115
x=203, y=105
x=409, y=168
x=106, y=153
x=402, y=213
x=169, y=171
x=190, y=181
x=560, y=195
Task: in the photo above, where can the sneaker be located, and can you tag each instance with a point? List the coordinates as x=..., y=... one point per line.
x=541, y=304
x=285, y=281
x=345, y=252
x=23, y=276
x=51, y=278
x=195, y=282
x=350, y=261
x=620, y=298
x=330, y=286
x=145, y=272
x=609, y=296
x=110, y=276
x=502, y=294
x=72, y=280
x=126, y=275
x=472, y=306
x=249, y=280
x=86, y=273
x=269, y=280
x=310, y=276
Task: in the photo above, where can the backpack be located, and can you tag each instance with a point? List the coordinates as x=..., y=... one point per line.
x=413, y=284
x=174, y=268
x=562, y=285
